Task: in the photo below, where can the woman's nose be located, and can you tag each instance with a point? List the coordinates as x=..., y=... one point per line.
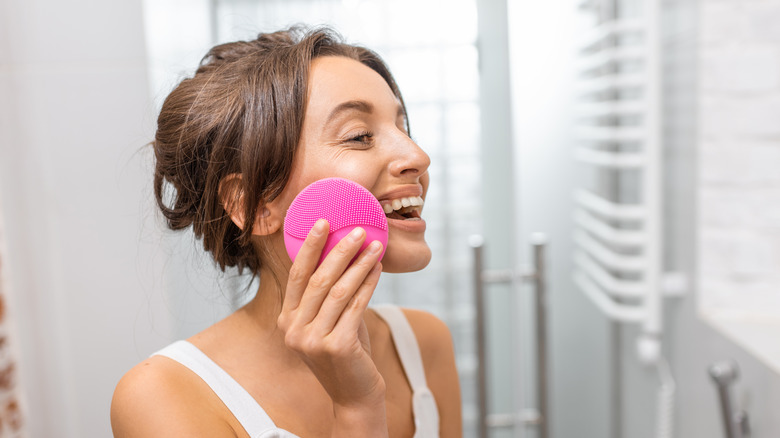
x=410, y=159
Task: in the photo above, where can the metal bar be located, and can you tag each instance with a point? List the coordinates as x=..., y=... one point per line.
x=607, y=232
x=596, y=37
x=609, y=257
x=617, y=160
x=539, y=243
x=213, y=6
x=609, y=134
x=653, y=176
x=613, y=286
x=609, y=108
x=527, y=417
x=494, y=276
x=536, y=274
x=477, y=243
x=604, y=83
x=508, y=276
x=724, y=374
x=612, y=210
x=610, y=56
x=618, y=312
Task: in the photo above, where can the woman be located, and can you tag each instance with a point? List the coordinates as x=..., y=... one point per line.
x=259, y=121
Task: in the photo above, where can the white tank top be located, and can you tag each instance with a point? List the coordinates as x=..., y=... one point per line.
x=256, y=421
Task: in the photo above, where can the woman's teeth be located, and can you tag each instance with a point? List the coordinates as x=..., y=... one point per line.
x=402, y=203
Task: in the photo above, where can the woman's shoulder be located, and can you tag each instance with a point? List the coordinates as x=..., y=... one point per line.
x=155, y=398
x=430, y=330
x=431, y=334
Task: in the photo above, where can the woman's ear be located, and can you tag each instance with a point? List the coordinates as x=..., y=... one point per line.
x=268, y=219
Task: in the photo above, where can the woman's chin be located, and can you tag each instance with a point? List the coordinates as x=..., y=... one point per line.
x=410, y=258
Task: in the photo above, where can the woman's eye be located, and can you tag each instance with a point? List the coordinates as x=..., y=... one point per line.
x=364, y=137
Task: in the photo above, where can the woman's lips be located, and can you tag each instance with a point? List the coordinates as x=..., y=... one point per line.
x=416, y=225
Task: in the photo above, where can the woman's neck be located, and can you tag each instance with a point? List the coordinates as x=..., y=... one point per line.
x=266, y=305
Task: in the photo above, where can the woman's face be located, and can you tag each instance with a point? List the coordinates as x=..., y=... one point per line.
x=354, y=128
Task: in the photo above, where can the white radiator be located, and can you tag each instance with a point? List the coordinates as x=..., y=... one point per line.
x=618, y=215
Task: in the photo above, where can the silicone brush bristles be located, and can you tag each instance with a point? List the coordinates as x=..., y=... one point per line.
x=344, y=204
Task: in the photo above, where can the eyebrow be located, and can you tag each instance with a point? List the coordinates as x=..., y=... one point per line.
x=356, y=105
x=350, y=105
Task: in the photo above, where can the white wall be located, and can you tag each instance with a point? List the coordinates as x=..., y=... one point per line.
x=739, y=183
x=75, y=183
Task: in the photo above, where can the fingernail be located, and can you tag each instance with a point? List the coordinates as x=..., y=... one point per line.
x=356, y=234
x=319, y=227
x=374, y=247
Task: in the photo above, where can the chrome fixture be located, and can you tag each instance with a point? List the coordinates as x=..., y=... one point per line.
x=535, y=274
x=724, y=374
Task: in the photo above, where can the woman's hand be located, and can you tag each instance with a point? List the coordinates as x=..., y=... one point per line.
x=322, y=318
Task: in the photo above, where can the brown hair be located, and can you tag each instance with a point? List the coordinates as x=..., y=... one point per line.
x=241, y=113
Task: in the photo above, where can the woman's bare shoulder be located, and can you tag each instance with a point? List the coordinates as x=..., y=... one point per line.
x=431, y=332
x=160, y=397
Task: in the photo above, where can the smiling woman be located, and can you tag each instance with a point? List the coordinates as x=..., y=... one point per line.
x=258, y=122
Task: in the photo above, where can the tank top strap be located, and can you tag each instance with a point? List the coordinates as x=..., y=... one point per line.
x=426, y=414
x=244, y=407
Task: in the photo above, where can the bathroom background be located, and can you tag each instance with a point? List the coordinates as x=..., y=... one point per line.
x=92, y=283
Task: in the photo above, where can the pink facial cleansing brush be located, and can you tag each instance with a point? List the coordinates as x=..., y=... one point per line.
x=345, y=204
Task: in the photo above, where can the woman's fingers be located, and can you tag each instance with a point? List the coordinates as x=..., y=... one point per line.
x=328, y=274
x=351, y=317
x=309, y=285
x=349, y=291
x=305, y=264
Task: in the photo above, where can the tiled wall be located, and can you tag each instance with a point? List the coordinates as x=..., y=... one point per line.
x=739, y=155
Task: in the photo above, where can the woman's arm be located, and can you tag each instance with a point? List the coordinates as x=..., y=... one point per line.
x=438, y=356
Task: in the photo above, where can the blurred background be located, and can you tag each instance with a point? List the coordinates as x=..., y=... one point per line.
x=641, y=138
